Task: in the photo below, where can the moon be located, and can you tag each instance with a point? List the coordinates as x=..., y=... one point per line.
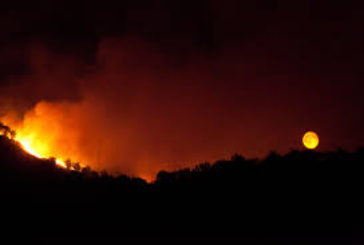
x=310, y=140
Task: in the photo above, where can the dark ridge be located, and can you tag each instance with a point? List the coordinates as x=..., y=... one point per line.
x=301, y=196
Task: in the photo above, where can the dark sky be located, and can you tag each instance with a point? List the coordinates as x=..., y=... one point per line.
x=184, y=81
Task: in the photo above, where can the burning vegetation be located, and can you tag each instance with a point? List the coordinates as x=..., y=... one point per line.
x=131, y=108
x=31, y=145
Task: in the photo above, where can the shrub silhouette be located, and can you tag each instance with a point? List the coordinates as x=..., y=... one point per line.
x=301, y=194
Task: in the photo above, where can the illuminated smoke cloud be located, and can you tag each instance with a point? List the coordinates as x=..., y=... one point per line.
x=137, y=109
x=131, y=111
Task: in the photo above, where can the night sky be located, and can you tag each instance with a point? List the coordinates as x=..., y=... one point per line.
x=137, y=86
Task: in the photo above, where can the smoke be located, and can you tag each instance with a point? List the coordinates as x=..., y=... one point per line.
x=130, y=112
x=136, y=108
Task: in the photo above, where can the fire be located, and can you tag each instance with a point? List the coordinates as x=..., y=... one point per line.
x=37, y=150
x=33, y=148
x=28, y=148
x=34, y=135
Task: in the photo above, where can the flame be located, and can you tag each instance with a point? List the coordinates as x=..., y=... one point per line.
x=30, y=146
x=29, y=138
x=37, y=150
x=26, y=145
x=68, y=130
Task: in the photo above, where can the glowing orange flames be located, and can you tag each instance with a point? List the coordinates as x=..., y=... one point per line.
x=34, y=135
x=37, y=150
x=34, y=148
x=68, y=131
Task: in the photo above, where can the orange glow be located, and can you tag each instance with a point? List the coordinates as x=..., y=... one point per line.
x=77, y=131
x=27, y=147
x=37, y=150
x=35, y=136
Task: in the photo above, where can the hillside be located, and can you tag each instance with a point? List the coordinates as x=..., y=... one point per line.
x=301, y=195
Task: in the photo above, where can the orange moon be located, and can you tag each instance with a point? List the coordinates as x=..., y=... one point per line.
x=310, y=140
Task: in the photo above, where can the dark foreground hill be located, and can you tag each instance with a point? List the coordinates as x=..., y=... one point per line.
x=302, y=196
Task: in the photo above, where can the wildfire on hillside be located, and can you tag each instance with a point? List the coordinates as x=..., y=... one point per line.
x=29, y=143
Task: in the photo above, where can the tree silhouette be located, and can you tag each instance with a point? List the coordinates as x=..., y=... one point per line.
x=5, y=130
x=302, y=193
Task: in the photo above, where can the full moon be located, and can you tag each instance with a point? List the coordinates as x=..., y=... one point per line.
x=310, y=140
